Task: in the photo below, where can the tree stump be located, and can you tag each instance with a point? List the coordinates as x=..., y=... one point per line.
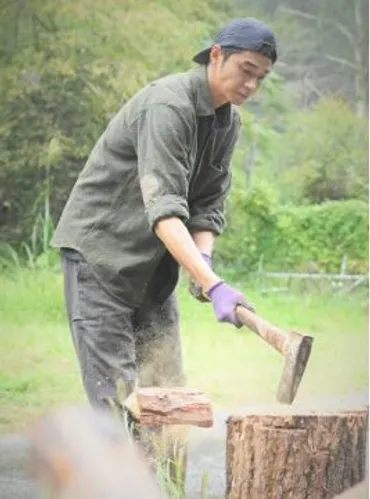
x=295, y=456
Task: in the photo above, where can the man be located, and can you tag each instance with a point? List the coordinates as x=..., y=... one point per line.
x=151, y=199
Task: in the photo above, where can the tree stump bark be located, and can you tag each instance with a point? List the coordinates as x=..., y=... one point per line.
x=295, y=456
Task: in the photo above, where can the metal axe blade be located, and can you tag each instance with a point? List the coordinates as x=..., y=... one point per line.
x=296, y=349
x=296, y=358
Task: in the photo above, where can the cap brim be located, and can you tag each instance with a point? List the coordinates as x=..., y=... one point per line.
x=202, y=57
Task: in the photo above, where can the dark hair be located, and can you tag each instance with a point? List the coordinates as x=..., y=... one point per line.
x=228, y=51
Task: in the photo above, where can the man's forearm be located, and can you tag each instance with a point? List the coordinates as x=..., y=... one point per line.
x=204, y=240
x=177, y=239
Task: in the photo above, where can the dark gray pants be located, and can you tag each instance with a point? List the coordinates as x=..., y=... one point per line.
x=116, y=343
x=119, y=346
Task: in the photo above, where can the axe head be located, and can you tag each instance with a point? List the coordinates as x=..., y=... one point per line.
x=297, y=353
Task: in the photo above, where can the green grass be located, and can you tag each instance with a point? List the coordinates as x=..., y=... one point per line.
x=39, y=369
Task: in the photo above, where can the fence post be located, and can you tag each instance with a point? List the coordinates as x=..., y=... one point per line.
x=343, y=266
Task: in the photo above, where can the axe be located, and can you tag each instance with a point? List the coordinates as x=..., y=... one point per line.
x=295, y=347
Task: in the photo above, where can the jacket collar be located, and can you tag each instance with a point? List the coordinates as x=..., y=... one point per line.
x=203, y=99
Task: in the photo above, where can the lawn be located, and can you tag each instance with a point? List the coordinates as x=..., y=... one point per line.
x=234, y=367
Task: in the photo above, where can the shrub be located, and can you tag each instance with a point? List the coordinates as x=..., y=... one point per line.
x=293, y=237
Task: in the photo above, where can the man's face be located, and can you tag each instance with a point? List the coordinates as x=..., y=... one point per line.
x=238, y=77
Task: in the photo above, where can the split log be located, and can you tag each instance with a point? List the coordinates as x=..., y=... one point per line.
x=295, y=456
x=170, y=406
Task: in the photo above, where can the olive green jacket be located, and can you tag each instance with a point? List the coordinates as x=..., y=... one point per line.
x=166, y=153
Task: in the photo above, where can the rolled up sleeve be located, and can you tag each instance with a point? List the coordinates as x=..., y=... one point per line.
x=210, y=219
x=163, y=138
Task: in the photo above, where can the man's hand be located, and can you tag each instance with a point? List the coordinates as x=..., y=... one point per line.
x=195, y=289
x=225, y=299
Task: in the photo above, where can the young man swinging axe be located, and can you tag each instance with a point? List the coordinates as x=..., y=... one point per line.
x=150, y=199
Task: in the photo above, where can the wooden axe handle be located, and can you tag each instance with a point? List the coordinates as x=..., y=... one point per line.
x=274, y=336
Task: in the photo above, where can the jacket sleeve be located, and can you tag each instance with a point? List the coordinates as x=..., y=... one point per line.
x=163, y=136
x=207, y=210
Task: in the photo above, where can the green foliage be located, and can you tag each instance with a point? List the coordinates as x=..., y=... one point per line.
x=66, y=69
x=293, y=237
x=323, y=46
x=37, y=253
x=262, y=118
x=323, y=154
x=250, y=220
x=317, y=156
x=49, y=120
x=321, y=234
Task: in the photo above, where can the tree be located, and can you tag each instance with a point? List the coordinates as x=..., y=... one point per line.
x=323, y=154
x=343, y=29
x=66, y=68
x=323, y=46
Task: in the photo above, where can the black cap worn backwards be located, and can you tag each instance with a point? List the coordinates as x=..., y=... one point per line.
x=246, y=33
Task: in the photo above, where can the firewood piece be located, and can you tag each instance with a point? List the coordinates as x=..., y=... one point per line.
x=295, y=456
x=166, y=406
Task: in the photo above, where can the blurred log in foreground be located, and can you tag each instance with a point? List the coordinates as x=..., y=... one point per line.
x=295, y=456
x=81, y=453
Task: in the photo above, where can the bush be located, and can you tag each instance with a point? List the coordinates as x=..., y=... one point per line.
x=321, y=234
x=293, y=237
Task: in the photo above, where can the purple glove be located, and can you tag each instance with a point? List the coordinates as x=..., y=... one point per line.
x=225, y=299
x=194, y=288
